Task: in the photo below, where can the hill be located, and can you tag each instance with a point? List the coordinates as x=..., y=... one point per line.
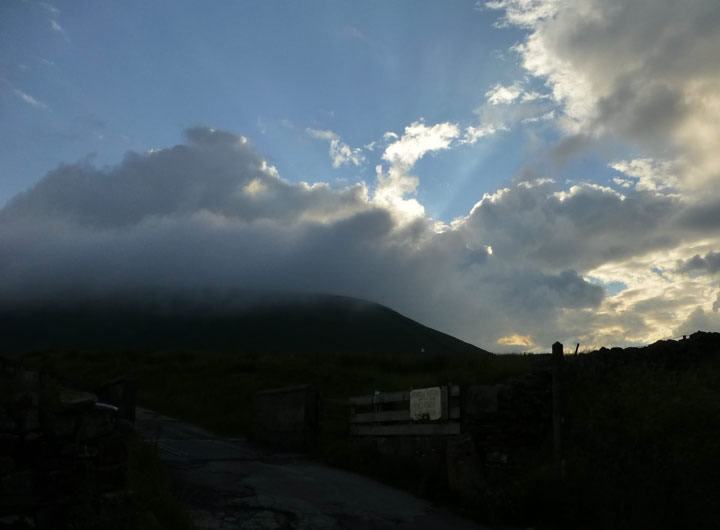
x=242, y=321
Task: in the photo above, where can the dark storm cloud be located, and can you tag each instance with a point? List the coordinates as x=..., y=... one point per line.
x=216, y=172
x=568, y=148
x=580, y=229
x=641, y=110
x=709, y=264
x=704, y=216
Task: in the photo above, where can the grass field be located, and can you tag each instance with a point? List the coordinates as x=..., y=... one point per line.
x=215, y=390
x=157, y=507
x=642, y=437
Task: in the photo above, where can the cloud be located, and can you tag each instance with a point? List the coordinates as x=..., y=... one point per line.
x=322, y=135
x=211, y=212
x=417, y=140
x=508, y=106
x=402, y=154
x=550, y=115
x=581, y=227
x=340, y=153
x=516, y=340
x=500, y=94
x=524, y=13
x=50, y=8
x=639, y=78
x=27, y=98
x=473, y=134
x=709, y=264
x=698, y=320
x=640, y=240
x=650, y=175
x=643, y=71
x=210, y=174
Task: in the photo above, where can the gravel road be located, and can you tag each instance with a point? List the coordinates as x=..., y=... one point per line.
x=233, y=484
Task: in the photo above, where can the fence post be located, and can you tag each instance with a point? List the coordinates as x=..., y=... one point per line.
x=129, y=399
x=557, y=356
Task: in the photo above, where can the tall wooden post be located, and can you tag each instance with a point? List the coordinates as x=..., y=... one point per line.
x=557, y=356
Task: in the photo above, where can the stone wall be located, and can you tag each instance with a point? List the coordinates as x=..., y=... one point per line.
x=63, y=456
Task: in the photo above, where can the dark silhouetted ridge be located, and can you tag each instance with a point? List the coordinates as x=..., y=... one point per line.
x=212, y=321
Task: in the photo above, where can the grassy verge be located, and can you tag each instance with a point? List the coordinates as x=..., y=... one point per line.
x=157, y=507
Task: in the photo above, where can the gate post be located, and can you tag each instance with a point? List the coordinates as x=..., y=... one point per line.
x=558, y=420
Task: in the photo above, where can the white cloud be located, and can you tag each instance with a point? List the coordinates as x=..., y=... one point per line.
x=500, y=94
x=395, y=184
x=322, y=135
x=417, y=140
x=472, y=134
x=254, y=187
x=27, y=98
x=532, y=96
x=548, y=116
x=650, y=175
x=525, y=12
x=584, y=187
x=623, y=183
x=644, y=72
x=340, y=153
x=508, y=106
x=50, y=8
x=261, y=125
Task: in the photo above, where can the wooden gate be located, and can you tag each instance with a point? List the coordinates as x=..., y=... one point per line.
x=389, y=413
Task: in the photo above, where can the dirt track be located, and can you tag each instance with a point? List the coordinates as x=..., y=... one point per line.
x=232, y=484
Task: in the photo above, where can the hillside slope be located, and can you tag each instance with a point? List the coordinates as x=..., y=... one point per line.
x=228, y=321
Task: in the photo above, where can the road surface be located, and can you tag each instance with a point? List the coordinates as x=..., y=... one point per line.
x=233, y=484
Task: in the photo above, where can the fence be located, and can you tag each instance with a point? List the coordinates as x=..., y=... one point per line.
x=423, y=412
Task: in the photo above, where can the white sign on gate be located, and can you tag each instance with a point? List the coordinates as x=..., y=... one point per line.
x=426, y=404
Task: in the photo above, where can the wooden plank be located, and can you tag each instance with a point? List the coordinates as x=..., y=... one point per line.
x=393, y=416
x=407, y=429
x=380, y=417
x=283, y=390
x=383, y=397
x=444, y=403
x=394, y=397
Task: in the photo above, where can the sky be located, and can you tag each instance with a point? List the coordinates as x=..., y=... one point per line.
x=512, y=172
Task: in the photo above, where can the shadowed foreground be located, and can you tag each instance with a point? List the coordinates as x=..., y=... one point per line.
x=231, y=484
